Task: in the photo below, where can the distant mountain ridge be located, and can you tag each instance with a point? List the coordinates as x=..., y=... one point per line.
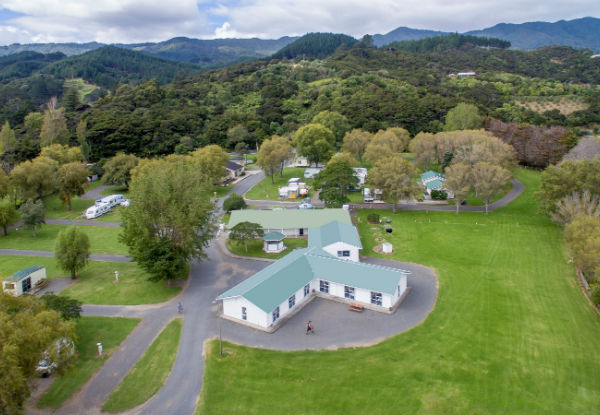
x=578, y=33
x=206, y=53
x=213, y=53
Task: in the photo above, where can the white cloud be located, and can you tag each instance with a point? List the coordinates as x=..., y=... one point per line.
x=128, y=21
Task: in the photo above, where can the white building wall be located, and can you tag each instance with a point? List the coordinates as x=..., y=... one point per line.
x=288, y=231
x=342, y=246
x=232, y=307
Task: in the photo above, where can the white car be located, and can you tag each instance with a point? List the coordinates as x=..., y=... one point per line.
x=125, y=202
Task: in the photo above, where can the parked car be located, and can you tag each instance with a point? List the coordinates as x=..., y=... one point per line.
x=125, y=202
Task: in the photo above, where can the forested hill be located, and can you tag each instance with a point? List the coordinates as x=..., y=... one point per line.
x=314, y=46
x=448, y=42
x=109, y=66
x=369, y=88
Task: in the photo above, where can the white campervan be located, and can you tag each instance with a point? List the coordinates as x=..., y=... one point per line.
x=97, y=210
x=112, y=200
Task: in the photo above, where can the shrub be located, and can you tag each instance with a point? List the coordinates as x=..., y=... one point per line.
x=439, y=195
x=373, y=217
x=595, y=294
x=234, y=202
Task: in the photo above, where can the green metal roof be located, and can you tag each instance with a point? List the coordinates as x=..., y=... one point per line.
x=23, y=273
x=430, y=174
x=333, y=232
x=435, y=184
x=274, y=284
x=273, y=236
x=289, y=218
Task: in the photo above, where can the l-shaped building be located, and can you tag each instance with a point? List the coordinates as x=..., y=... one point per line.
x=329, y=267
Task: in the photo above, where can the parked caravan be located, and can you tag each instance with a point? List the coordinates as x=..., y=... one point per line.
x=112, y=200
x=97, y=210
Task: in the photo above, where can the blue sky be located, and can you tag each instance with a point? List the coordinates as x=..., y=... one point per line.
x=129, y=21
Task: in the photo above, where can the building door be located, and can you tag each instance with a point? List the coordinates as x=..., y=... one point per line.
x=26, y=284
x=301, y=231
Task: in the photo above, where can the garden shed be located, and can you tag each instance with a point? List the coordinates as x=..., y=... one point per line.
x=273, y=242
x=24, y=281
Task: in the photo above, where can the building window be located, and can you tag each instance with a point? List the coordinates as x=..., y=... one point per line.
x=343, y=253
x=244, y=315
x=349, y=292
x=324, y=287
x=306, y=289
x=292, y=301
x=376, y=298
x=275, y=314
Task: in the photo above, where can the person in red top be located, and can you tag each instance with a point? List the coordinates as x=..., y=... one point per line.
x=309, y=328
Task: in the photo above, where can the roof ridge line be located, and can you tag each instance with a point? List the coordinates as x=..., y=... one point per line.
x=331, y=257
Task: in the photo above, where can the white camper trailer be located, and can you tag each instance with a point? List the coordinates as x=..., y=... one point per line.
x=112, y=200
x=97, y=210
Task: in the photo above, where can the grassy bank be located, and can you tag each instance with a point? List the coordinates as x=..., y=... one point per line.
x=255, y=247
x=149, y=373
x=90, y=330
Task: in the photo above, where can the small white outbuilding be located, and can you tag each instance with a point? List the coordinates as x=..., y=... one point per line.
x=273, y=242
x=24, y=281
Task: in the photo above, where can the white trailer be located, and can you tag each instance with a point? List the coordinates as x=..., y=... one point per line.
x=112, y=200
x=97, y=210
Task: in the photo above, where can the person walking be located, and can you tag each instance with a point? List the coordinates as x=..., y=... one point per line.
x=179, y=308
x=309, y=328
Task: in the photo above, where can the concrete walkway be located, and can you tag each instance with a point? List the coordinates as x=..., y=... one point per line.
x=95, y=192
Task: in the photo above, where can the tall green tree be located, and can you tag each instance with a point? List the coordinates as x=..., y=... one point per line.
x=54, y=126
x=62, y=153
x=583, y=240
x=488, y=181
x=394, y=175
x=170, y=218
x=355, y=142
x=69, y=308
x=35, y=179
x=336, y=122
x=71, y=179
x=27, y=330
x=315, y=141
x=334, y=181
x=33, y=215
x=8, y=214
x=8, y=140
x=72, y=250
x=246, y=231
x=385, y=143
x=272, y=154
x=118, y=169
x=212, y=159
x=463, y=117
x=4, y=183
x=459, y=179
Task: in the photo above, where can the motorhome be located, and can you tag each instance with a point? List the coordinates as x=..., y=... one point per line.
x=367, y=196
x=97, y=210
x=112, y=200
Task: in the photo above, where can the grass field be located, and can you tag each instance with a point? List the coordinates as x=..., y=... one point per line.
x=511, y=332
x=149, y=373
x=103, y=239
x=96, y=285
x=255, y=247
x=56, y=210
x=265, y=190
x=90, y=330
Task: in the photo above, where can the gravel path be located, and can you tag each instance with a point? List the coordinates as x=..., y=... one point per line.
x=95, y=193
x=49, y=254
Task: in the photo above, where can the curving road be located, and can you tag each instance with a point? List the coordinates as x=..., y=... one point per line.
x=210, y=278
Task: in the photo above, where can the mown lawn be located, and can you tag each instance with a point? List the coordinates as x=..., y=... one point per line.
x=96, y=285
x=90, y=330
x=511, y=331
x=56, y=210
x=103, y=239
x=149, y=373
x=255, y=247
x=265, y=190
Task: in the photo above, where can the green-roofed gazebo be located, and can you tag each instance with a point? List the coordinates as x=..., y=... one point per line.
x=273, y=242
